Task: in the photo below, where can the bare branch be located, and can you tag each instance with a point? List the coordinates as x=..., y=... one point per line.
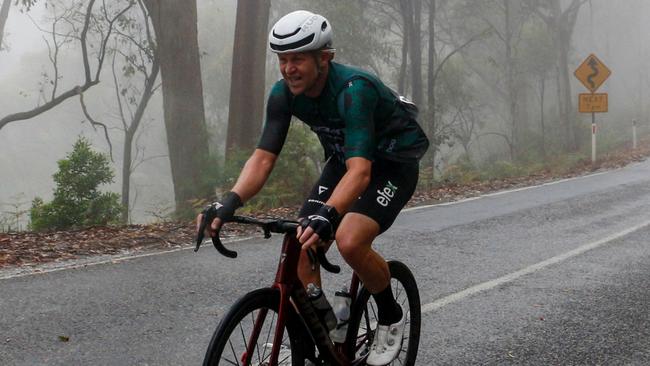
x=104, y=42
x=458, y=49
x=95, y=123
x=47, y=106
x=118, y=97
x=144, y=160
x=84, y=34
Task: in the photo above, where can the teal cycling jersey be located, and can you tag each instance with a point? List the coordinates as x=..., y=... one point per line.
x=355, y=115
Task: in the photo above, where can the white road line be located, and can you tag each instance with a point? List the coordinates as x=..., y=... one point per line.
x=87, y=262
x=503, y=192
x=432, y=306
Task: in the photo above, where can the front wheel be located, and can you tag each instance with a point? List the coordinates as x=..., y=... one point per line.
x=363, y=320
x=245, y=336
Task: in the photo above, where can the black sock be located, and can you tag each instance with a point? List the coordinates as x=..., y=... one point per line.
x=389, y=311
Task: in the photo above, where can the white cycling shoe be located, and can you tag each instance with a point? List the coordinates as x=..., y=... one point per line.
x=387, y=343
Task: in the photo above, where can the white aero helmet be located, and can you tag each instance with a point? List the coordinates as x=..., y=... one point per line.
x=300, y=31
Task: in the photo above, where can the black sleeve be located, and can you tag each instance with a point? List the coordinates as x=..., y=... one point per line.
x=278, y=118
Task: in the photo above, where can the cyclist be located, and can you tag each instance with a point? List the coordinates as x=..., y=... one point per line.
x=372, y=144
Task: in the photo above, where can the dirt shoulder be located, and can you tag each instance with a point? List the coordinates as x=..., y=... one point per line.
x=28, y=249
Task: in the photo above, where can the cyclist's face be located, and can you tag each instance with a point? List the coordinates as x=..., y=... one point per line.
x=299, y=71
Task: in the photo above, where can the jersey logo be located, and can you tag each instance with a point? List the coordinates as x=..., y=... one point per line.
x=349, y=84
x=386, y=194
x=321, y=189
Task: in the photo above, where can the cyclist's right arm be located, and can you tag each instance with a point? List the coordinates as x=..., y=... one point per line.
x=276, y=127
x=259, y=166
x=254, y=174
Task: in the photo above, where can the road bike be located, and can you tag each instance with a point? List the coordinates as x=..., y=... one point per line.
x=278, y=325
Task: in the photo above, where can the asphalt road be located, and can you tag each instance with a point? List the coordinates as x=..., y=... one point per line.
x=552, y=275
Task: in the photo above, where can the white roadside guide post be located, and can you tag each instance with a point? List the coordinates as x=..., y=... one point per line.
x=592, y=73
x=634, y=134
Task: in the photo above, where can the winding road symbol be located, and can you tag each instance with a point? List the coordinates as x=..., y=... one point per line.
x=593, y=63
x=592, y=73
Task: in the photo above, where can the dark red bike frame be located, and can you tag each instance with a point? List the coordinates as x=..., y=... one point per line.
x=287, y=282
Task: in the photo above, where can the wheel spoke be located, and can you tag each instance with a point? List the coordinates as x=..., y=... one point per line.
x=234, y=354
x=243, y=337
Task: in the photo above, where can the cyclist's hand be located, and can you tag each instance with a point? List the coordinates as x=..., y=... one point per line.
x=210, y=229
x=319, y=227
x=217, y=213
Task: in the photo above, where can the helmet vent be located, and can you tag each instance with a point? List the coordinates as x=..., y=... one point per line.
x=292, y=46
x=323, y=26
x=283, y=36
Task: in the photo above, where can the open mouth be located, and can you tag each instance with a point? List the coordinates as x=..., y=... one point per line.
x=294, y=80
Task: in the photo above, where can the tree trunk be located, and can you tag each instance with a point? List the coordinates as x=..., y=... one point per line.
x=562, y=23
x=175, y=25
x=127, y=163
x=416, y=52
x=431, y=84
x=510, y=65
x=248, y=74
x=4, y=14
x=542, y=87
x=129, y=135
x=407, y=17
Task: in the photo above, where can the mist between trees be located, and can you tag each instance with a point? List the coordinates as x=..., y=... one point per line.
x=173, y=92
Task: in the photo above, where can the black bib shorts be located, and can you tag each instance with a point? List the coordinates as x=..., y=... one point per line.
x=391, y=186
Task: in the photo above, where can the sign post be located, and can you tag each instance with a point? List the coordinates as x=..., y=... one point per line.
x=593, y=138
x=592, y=73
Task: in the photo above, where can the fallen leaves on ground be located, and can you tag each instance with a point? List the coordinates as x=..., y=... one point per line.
x=33, y=249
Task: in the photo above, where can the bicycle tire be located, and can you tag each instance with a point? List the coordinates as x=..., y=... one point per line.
x=363, y=319
x=224, y=350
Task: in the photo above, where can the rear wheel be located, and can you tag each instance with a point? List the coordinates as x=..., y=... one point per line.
x=236, y=331
x=363, y=320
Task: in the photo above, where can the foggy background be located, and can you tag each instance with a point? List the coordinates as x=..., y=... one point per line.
x=614, y=30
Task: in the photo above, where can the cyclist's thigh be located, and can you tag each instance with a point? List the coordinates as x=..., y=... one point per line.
x=391, y=186
x=322, y=190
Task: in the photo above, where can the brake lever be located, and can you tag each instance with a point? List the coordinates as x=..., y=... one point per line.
x=319, y=258
x=201, y=234
x=329, y=267
x=216, y=241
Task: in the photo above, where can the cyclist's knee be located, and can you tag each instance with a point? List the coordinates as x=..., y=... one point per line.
x=352, y=250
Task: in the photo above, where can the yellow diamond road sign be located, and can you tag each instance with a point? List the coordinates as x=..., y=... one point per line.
x=592, y=73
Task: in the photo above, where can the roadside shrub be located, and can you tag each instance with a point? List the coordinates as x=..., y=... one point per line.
x=77, y=201
x=503, y=169
x=461, y=172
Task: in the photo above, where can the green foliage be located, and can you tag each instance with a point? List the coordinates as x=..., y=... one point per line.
x=462, y=172
x=465, y=171
x=77, y=201
x=565, y=163
x=295, y=171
